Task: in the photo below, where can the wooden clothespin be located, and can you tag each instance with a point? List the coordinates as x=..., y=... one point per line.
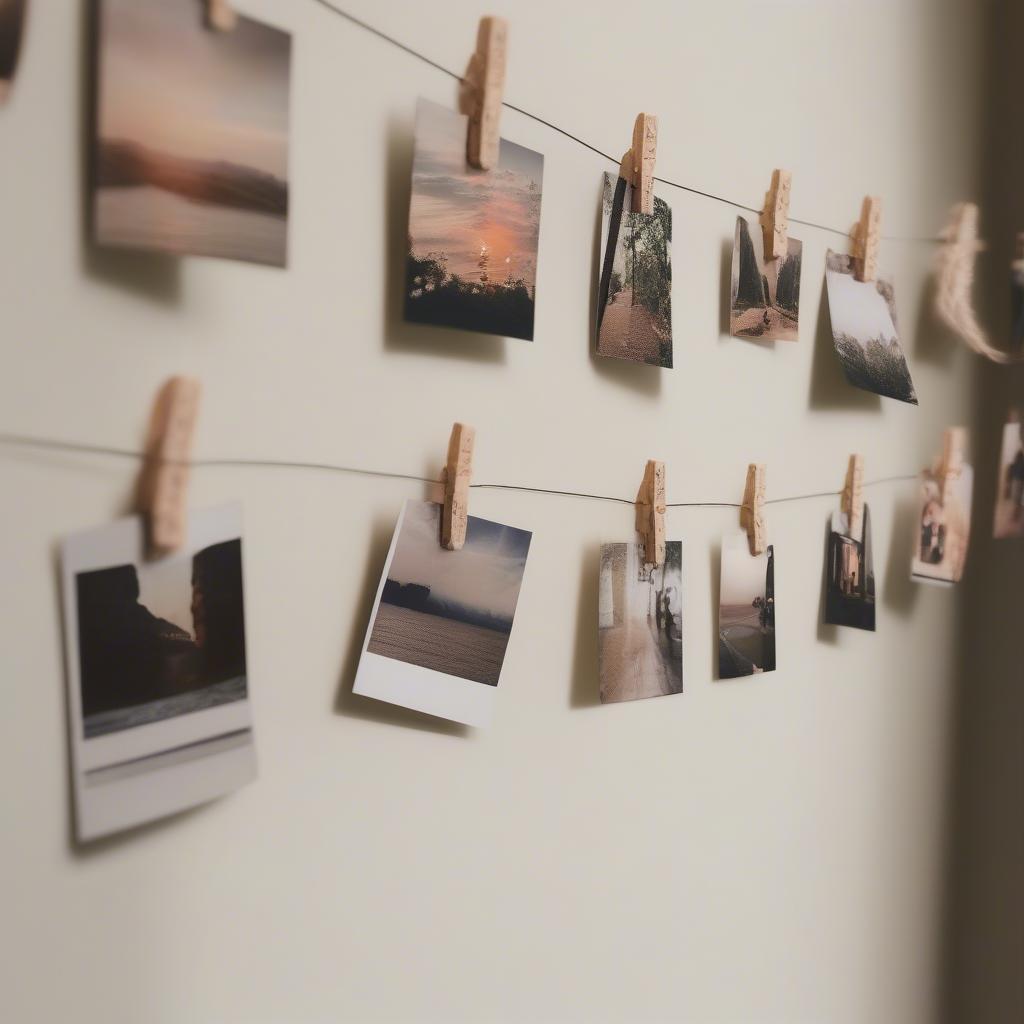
x=163, y=483
x=865, y=237
x=775, y=215
x=456, y=476
x=650, y=512
x=951, y=462
x=482, y=89
x=220, y=15
x=637, y=165
x=752, y=509
x=853, y=496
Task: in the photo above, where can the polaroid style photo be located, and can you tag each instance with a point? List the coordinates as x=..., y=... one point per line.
x=943, y=526
x=158, y=691
x=191, y=145
x=764, y=295
x=1009, y=514
x=473, y=235
x=850, y=574
x=12, y=23
x=634, y=295
x=864, y=331
x=640, y=623
x=746, y=610
x=442, y=620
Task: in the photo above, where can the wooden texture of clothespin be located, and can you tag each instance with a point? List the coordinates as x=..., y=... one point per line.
x=163, y=483
x=853, y=496
x=951, y=462
x=457, y=473
x=865, y=237
x=482, y=90
x=775, y=215
x=637, y=165
x=220, y=15
x=650, y=512
x=752, y=509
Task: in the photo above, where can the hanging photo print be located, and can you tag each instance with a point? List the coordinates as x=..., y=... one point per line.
x=1017, y=295
x=191, y=147
x=640, y=623
x=442, y=619
x=746, y=611
x=864, y=331
x=473, y=235
x=158, y=693
x=1009, y=516
x=764, y=298
x=944, y=525
x=634, y=299
x=12, y=21
x=850, y=574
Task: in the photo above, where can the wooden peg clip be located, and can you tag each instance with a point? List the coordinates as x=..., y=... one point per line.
x=853, y=496
x=752, y=509
x=775, y=215
x=163, y=483
x=456, y=476
x=951, y=462
x=637, y=165
x=482, y=90
x=865, y=237
x=650, y=512
x=220, y=15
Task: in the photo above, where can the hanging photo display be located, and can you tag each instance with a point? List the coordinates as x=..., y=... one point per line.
x=850, y=573
x=442, y=619
x=640, y=623
x=746, y=610
x=634, y=299
x=1009, y=514
x=944, y=525
x=473, y=235
x=191, y=147
x=864, y=331
x=764, y=295
x=12, y=23
x=158, y=693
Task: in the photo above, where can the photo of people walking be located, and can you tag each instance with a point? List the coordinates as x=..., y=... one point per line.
x=746, y=611
x=764, y=295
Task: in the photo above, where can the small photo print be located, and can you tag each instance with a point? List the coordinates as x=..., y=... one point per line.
x=157, y=673
x=850, y=574
x=944, y=526
x=191, y=147
x=1009, y=517
x=640, y=623
x=12, y=22
x=634, y=298
x=764, y=299
x=1017, y=303
x=473, y=235
x=864, y=331
x=746, y=611
x=443, y=619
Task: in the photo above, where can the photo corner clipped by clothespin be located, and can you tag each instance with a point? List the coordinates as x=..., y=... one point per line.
x=853, y=496
x=865, y=238
x=637, y=166
x=775, y=215
x=163, y=482
x=752, y=509
x=650, y=512
x=483, y=88
x=456, y=476
x=220, y=15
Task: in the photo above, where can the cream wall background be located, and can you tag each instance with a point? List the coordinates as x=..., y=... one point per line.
x=770, y=849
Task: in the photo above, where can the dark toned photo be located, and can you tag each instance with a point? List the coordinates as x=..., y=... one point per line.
x=1009, y=514
x=764, y=295
x=12, y=25
x=746, y=611
x=850, y=574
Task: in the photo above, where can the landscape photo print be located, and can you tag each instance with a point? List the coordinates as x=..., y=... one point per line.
x=442, y=620
x=640, y=623
x=634, y=299
x=12, y=25
x=1009, y=514
x=850, y=573
x=764, y=296
x=746, y=610
x=191, y=146
x=473, y=235
x=863, y=315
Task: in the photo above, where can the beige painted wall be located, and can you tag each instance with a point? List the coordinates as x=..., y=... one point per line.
x=772, y=849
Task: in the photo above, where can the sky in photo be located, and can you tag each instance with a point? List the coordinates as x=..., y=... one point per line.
x=459, y=211
x=743, y=574
x=165, y=588
x=858, y=309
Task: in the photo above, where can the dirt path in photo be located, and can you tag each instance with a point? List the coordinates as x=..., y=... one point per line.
x=627, y=331
x=750, y=324
x=632, y=663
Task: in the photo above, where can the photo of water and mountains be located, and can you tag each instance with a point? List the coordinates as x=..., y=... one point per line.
x=746, y=611
x=473, y=235
x=850, y=575
x=12, y=20
x=640, y=623
x=160, y=639
x=191, y=148
x=634, y=297
x=450, y=611
x=764, y=296
x=864, y=331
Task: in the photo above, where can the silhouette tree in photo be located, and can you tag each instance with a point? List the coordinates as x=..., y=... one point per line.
x=751, y=289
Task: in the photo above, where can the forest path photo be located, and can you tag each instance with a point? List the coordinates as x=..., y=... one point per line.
x=637, y=656
x=628, y=331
